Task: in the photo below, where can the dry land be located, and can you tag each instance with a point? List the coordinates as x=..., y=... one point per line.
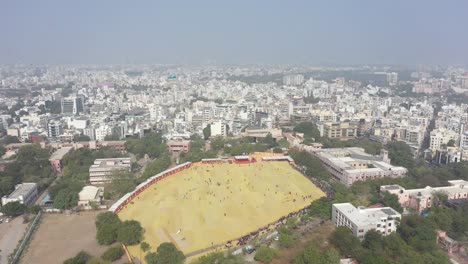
x=61, y=236
x=211, y=204
x=10, y=235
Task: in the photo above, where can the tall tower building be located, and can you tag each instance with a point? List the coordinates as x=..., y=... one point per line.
x=72, y=105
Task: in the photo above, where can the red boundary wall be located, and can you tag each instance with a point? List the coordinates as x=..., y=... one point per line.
x=127, y=198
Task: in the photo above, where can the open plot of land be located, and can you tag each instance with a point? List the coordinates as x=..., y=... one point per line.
x=61, y=236
x=209, y=204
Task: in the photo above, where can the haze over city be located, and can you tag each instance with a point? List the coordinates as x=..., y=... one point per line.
x=234, y=32
x=233, y=132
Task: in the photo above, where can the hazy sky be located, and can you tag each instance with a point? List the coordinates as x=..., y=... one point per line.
x=236, y=31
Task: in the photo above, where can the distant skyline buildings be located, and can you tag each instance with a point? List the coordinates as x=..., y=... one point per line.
x=213, y=32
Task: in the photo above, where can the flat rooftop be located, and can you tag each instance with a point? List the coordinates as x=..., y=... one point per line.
x=59, y=153
x=363, y=216
x=21, y=190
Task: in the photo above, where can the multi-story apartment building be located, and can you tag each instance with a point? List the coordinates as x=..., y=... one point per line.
x=360, y=220
x=420, y=199
x=54, y=129
x=441, y=137
x=338, y=130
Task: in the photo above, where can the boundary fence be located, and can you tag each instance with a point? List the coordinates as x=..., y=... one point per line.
x=26, y=238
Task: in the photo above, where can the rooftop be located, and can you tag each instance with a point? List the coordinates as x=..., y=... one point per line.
x=362, y=215
x=59, y=153
x=21, y=190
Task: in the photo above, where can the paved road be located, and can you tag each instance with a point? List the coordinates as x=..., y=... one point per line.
x=10, y=234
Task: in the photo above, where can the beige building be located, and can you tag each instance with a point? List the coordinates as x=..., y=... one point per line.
x=441, y=137
x=420, y=199
x=102, y=169
x=349, y=165
x=338, y=130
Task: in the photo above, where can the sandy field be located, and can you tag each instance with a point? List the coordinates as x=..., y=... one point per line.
x=61, y=236
x=211, y=204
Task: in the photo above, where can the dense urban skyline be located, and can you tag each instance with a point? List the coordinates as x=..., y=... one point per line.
x=240, y=32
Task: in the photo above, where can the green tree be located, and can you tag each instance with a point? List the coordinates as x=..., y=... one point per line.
x=391, y=200
x=277, y=150
x=34, y=209
x=81, y=258
x=283, y=143
x=107, y=225
x=219, y=258
x=144, y=246
x=113, y=253
x=265, y=254
x=217, y=143
x=157, y=166
x=207, y=132
x=400, y=154
x=65, y=200
x=344, y=240
x=309, y=129
x=130, y=232
x=14, y=208
x=166, y=253
x=122, y=182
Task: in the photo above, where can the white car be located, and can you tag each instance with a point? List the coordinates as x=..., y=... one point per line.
x=7, y=220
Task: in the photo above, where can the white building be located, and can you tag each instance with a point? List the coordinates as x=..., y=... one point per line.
x=90, y=194
x=101, y=132
x=218, y=128
x=100, y=171
x=25, y=193
x=441, y=137
x=293, y=80
x=54, y=129
x=349, y=165
x=360, y=220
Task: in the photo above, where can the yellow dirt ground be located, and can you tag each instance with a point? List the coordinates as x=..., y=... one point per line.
x=212, y=204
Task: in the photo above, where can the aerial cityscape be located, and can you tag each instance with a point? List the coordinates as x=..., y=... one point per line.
x=240, y=148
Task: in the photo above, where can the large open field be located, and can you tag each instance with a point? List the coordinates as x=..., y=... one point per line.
x=61, y=236
x=210, y=204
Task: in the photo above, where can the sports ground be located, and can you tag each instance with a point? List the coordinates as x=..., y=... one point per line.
x=209, y=204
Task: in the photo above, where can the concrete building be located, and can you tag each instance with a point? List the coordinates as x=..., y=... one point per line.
x=100, y=171
x=54, y=129
x=293, y=80
x=56, y=158
x=360, y=220
x=349, y=165
x=176, y=146
x=72, y=105
x=441, y=137
x=90, y=194
x=262, y=133
x=420, y=199
x=338, y=130
x=218, y=128
x=25, y=193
